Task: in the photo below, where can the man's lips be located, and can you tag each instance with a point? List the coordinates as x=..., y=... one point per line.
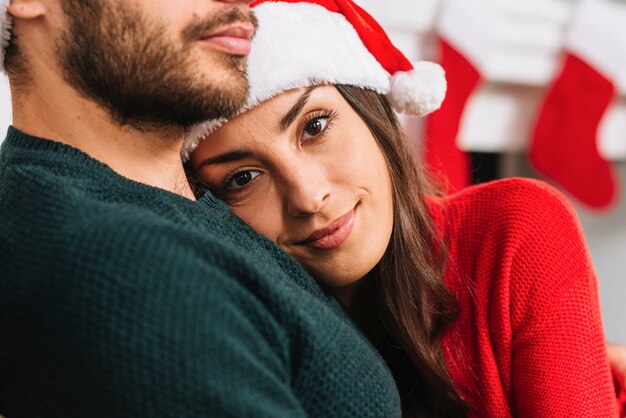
x=233, y=40
x=333, y=235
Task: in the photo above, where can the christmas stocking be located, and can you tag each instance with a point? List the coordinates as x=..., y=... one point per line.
x=564, y=145
x=445, y=160
x=457, y=56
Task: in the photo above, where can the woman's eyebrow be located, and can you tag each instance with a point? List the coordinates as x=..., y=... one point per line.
x=296, y=109
x=227, y=157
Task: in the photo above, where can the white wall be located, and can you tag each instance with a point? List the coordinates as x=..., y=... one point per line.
x=5, y=106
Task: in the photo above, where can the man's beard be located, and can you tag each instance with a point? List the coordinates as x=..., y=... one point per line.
x=113, y=55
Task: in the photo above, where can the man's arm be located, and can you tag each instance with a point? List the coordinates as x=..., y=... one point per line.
x=617, y=358
x=158, y=328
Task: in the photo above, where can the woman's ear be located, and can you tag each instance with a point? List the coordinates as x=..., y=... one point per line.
x=27, y=9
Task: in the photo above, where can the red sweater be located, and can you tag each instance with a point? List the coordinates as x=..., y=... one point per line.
x=529, y=339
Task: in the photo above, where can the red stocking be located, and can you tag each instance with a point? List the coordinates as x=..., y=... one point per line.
x=564, y=144
x=445, y=160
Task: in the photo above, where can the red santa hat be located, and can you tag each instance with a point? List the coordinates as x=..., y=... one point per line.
x=5, y=29
x=314, y=42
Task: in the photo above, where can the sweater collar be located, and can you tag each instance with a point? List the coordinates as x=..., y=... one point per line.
x=20, y=147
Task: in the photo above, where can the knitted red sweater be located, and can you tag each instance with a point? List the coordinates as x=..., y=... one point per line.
x=529, y=339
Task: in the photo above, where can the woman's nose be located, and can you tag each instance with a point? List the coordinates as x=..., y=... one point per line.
x=306, y=191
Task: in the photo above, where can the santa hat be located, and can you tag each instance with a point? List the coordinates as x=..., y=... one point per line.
x=5, y=29
x=315, y=42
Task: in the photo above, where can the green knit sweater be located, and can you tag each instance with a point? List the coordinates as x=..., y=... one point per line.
x=118, y=299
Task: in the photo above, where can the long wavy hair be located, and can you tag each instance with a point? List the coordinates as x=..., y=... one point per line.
x=412, y=306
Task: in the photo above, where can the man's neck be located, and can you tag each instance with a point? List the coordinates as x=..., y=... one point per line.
x=57, y=112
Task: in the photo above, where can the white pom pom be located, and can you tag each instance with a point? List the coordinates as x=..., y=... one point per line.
x=418, y=92
x=5, y=30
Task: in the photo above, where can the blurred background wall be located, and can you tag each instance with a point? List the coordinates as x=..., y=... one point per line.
x=516, y=51
x=5, y=105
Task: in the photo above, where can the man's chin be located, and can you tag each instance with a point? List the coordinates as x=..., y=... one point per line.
x=220, y=104
x=232, y=96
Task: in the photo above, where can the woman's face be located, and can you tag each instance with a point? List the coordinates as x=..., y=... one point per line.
x=304, y=170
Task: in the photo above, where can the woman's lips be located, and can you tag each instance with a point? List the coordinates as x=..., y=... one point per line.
x=234, y=40
x=333, y=235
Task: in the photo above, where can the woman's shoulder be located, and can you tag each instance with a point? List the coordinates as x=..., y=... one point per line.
x=520, y=270
x=515, y=224
x=504, y=204
x=517, y=234
x=507, y=195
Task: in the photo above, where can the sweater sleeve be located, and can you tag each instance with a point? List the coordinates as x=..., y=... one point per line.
x=145, y=324
x=559, y=365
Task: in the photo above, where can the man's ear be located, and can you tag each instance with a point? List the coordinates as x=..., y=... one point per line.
x=27, y=9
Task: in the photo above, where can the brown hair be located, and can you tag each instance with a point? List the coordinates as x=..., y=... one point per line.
x=412, y=304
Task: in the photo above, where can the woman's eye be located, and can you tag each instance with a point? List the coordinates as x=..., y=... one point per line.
x=314, y=128
x=240, y=180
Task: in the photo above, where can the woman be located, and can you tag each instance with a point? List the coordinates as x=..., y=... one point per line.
x=483, y=303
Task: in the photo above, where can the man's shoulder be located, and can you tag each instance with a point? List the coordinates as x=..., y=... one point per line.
x=70, y=223
x=134, y=259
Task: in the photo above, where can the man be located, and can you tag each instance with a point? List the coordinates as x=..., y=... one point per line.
x=119, y=294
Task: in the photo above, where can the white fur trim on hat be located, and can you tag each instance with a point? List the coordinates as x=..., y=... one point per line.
x=5, y=30
x=195, y=133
